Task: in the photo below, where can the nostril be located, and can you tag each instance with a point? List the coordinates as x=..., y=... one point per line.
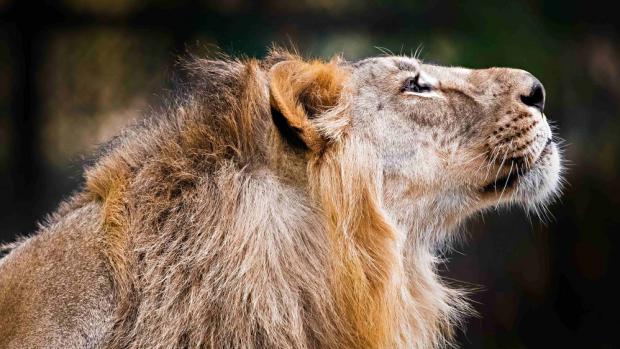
x=536, y=98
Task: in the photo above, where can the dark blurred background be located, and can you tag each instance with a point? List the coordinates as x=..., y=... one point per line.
x=73, y=72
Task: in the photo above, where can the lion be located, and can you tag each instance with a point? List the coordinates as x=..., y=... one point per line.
x=283, y=203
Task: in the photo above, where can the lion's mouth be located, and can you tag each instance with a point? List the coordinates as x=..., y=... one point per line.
x=503, y=182
x=513, y=177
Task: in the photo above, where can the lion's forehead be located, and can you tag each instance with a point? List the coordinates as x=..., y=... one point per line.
x=385, y=65
x=447, y=73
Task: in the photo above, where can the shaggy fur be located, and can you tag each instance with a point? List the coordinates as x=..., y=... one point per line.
x=257, y=211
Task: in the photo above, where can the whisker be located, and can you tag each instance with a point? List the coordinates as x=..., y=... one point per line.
x=385, y=51
x=505, y=184
x=418, y=51
x=490, y=164
x=474, y=158
x=499, y=169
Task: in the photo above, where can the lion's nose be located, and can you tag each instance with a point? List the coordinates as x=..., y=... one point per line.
x=536, y=97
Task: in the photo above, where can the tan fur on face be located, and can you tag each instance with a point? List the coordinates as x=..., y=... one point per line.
x=208, y=226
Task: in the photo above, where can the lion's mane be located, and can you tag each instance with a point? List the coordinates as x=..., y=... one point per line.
x=208, y=247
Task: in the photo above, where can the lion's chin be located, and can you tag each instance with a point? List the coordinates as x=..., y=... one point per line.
x=543, y=182
x=538, y=185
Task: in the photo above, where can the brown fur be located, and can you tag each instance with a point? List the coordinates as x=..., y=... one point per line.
x=205, y=228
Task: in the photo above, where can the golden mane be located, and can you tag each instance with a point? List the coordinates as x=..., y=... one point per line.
x=208, y=247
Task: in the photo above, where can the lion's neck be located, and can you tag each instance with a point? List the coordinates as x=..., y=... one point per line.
x=424, y=225
x=387, y=285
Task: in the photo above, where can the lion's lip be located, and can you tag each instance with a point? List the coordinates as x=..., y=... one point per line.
x=509, y=180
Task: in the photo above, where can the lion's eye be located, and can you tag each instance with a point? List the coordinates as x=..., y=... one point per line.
x=414, y=85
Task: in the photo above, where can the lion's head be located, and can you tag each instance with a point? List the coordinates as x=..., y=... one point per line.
x=447, y=142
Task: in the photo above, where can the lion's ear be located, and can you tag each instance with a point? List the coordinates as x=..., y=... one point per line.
x=299, y=92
